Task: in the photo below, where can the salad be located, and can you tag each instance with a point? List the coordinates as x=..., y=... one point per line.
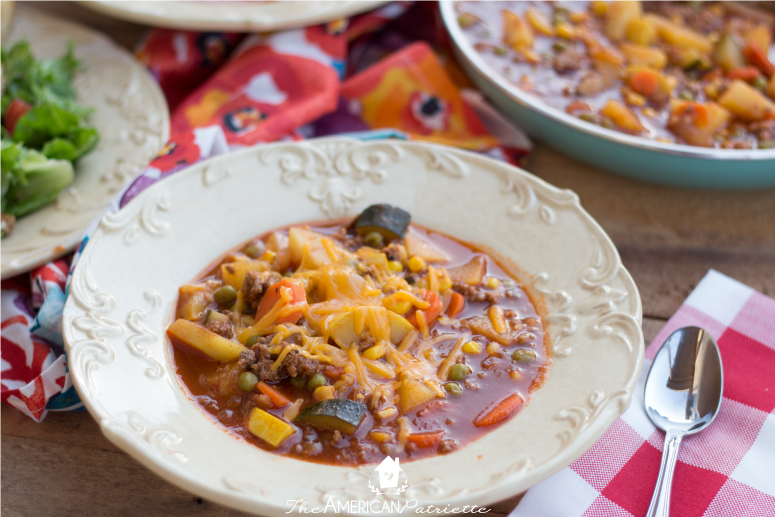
x=44, y=131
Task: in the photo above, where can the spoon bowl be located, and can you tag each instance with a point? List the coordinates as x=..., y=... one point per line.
x=682, y=396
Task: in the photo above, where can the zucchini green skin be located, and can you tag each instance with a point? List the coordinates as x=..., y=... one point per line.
x=214, y=316
x=388, y=220
x=341, y=415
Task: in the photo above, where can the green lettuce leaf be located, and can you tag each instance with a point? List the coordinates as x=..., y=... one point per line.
x=43, y=179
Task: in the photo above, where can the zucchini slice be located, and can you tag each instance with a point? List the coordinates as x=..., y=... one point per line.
x=341, y=415
x=215, y=316
x=388, y=220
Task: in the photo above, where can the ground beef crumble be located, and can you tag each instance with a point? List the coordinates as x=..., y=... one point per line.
x=222, y=328
x=255, y=285
x=473, y=293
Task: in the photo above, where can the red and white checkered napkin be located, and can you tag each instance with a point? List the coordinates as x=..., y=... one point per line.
x=726, y=470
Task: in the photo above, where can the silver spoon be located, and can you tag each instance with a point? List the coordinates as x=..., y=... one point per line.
x=682, y=396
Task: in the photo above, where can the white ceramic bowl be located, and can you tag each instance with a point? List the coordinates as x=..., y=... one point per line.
x=123, y=295
x=637, y=157
x=235, y=16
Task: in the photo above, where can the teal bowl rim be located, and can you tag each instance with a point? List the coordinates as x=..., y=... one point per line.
x=538, y=106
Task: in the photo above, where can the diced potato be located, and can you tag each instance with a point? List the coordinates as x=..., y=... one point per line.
x=622, y=116
x=760, y=35
x=677, y=35
x=655, y=58
x=276, y=242
x=619, y=16
x=607, y=61
x=234, y=272
x=516, y=32
x=697, y=123
x=199, y=340
x=746, y=102
x=318, y=256
x=641, y=32
x=194, y=299
x=416, y=246
x=471, y=272
x=413, y=393
x=727, y=53
x=541, y=22
x=268, y=427
x=350, y=326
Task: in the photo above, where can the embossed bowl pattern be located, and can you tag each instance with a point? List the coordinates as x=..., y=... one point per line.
x=123, y=295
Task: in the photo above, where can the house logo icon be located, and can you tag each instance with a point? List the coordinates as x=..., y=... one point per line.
x=389, y=473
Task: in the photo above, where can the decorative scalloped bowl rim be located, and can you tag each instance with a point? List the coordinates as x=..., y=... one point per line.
x=113, y=326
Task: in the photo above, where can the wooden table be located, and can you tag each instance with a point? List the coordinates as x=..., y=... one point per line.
x=668, y=239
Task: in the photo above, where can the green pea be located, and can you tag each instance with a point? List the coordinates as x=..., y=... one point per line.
x=607, y=123
x=316, y=381
x=559, y=46
x=524, y=356
x=686, y=95
x=453, y=388
x=247, y=381
x=500, y=51
x=225, y=294
x=760, y=82
x=588, y=117
x=299, y=381
x=373, y=239
x=255, y=250
x=766, y=144
x=458, y=372
x=357, y=266
x=252, y=340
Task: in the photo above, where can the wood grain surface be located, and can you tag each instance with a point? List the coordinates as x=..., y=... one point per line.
x=668, y=239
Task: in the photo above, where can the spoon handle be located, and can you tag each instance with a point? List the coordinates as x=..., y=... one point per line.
x=660, y=501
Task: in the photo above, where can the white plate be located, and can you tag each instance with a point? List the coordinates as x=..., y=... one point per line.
x=124, y=289
x=131, y=115
x=235, y=16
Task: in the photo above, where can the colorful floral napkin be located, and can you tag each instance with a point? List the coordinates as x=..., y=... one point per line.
x=728, y=469
x=382, y=72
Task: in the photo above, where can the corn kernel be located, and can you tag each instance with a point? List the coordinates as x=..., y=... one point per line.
x=375, y=352
x=531, y=57
x=324, y=393
x=493, y=348
x=395, y=266
x=402, y=307
x=649, y=112
x=565, y=30
x=472, y=347
x=416, y=264
x=445, y=283
x=599, y=8
x=268, y=256
x=493, y=283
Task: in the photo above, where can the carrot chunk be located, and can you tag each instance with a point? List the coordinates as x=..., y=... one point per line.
x=758, y=58
x=431, y=313
x=273, y=295
x=644, y=82
x=456, y=304
x=500, y=412
x=427, y=439
x=746, y=73
x=277, y=398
